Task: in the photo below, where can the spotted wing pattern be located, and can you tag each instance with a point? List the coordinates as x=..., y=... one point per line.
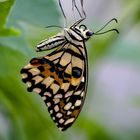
x=60, y=79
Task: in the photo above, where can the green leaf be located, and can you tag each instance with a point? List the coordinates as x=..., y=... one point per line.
x=31, y=18
x=9, y=32
x=5, y=7
x=35, y=12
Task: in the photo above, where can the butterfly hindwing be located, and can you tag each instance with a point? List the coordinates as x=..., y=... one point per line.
x=60, y=79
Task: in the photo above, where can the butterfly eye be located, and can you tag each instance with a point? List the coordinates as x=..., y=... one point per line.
x=89, y=33
x=83, y=27
x=76, y=72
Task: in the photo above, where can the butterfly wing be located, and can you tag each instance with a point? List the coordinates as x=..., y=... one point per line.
x=61, y=80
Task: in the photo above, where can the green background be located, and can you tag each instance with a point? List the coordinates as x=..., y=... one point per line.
x=24, y=116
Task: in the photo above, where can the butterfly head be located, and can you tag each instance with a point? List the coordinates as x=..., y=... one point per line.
x=84, y=31
x=78, y=33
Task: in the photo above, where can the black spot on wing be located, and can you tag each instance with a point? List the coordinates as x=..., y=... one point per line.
x=76, y=72
x=29, y=75
x=41, y=68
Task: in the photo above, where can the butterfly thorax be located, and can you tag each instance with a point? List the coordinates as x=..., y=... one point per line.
x=74, y=34
x=77, y=34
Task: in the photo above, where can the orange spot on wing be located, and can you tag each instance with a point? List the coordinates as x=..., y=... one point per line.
x=75, y=113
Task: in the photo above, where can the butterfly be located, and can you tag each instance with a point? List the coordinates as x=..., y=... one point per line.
x=61, y=77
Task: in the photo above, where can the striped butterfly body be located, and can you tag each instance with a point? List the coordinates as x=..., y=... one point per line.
x=60, y=77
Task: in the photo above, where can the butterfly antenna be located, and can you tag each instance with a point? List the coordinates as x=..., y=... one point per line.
x=52, y=26
x=83, y=11
x=107, y=32
x=74, y=5
x=73, y=9
x=99, y=33
x=63, y=13
x=114, y=19
x=83, y=14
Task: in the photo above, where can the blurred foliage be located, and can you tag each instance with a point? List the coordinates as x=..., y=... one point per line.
x=5, y=7
x=24, y=116
x=128, y=20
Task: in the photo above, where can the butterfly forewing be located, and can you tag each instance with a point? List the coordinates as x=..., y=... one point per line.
x=60, y=79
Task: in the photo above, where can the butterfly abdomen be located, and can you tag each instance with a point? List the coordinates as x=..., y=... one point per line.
x=50, y=43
